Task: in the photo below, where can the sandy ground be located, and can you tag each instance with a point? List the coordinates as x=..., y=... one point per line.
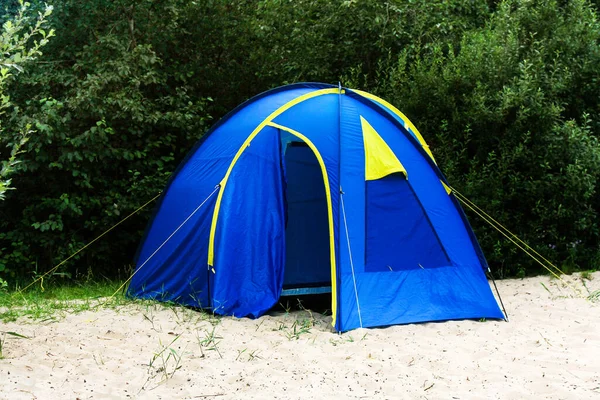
x=549, y=349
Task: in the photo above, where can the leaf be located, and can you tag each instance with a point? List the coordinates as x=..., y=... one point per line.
x=15, y=334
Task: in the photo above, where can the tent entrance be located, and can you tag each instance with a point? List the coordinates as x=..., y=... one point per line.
x=307, y=262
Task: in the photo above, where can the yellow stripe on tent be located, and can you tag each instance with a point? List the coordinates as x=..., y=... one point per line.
x=403, y=117
x=448, y=189
x=380, y=160
x=329, y=212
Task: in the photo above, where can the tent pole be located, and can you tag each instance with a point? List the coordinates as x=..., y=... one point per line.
x=210, y=307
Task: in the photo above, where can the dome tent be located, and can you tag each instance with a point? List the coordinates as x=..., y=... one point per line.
x=313, y=184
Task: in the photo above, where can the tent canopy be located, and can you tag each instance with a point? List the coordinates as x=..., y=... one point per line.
x=315, y=184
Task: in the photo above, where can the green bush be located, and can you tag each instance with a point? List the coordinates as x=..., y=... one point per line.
x=111, y=121
x=506, y=93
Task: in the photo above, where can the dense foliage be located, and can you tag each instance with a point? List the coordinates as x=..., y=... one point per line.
x=505, y=92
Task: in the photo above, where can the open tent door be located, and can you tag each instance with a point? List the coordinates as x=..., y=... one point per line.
x=307, y=262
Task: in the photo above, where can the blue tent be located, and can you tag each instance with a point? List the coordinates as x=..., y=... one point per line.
x=315, y=185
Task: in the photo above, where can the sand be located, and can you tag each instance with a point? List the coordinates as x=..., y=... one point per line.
x=549, y=349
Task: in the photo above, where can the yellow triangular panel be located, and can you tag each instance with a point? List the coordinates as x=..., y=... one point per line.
x=380, y=160
x=448, y=190
x=409, y=125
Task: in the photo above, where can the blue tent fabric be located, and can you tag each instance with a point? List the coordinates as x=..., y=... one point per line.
x=399, y=247
x=399, y=235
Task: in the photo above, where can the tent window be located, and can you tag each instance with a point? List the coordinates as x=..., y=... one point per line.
x=399, y=235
